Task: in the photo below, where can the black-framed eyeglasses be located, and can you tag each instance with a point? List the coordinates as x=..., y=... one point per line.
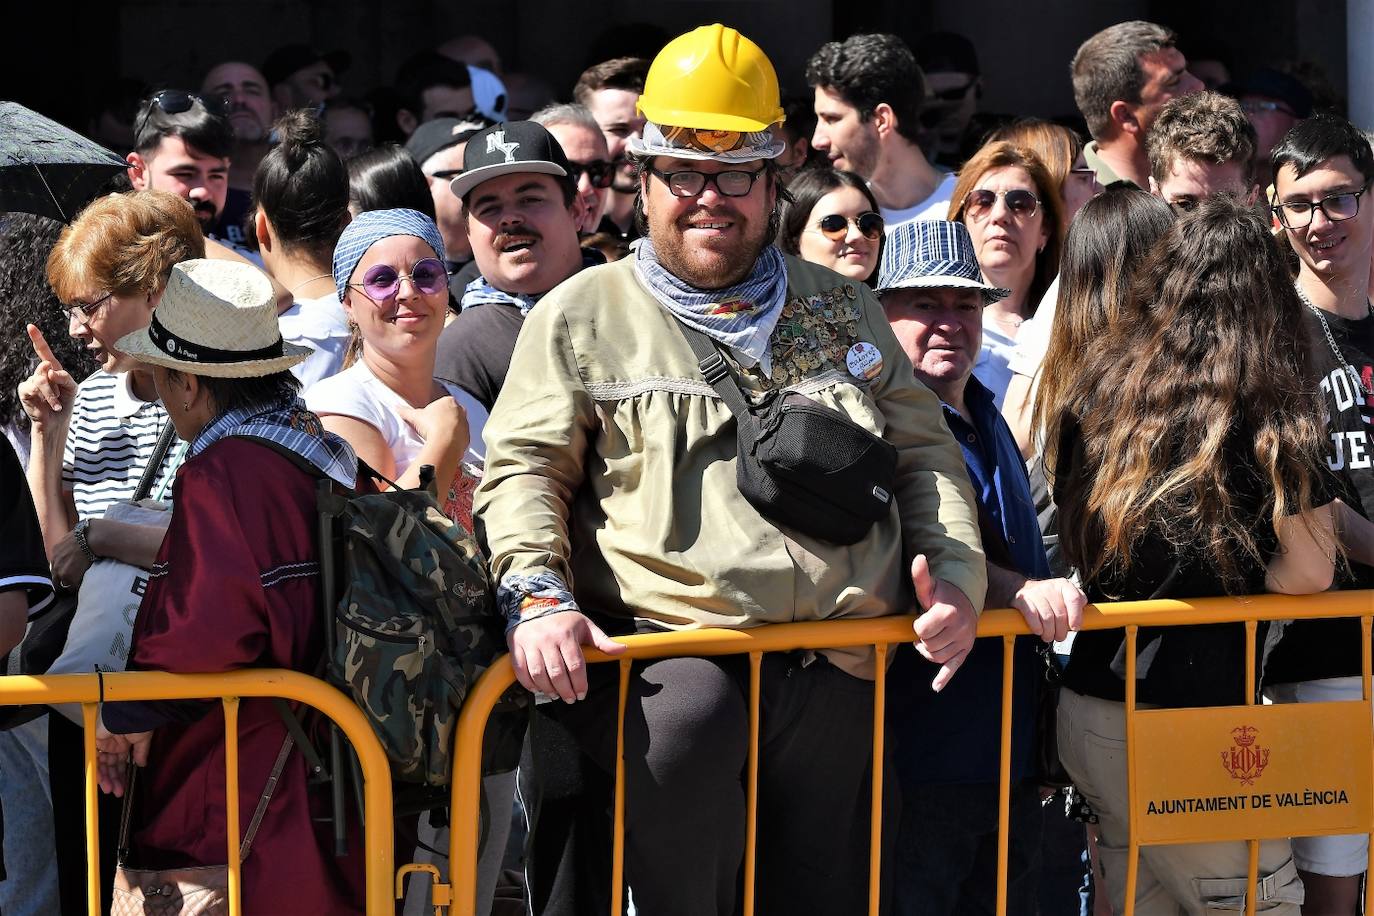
x=689, y=183
x=84, y=311
x=177, y=101
x=979, y=202
x=1297, y=214
x=835, y=226
x=599, y=172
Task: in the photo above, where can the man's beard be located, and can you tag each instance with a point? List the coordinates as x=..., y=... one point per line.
x=206, y=214
x=709, y=267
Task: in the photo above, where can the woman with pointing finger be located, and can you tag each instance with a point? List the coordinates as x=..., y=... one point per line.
x=92, y=443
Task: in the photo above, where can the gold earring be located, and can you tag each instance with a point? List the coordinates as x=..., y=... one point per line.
x=185, y=406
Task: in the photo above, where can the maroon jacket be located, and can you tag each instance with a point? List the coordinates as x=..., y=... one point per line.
x=235, y=586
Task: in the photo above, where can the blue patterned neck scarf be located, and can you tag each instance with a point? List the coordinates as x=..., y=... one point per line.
x=289, y=424
x=741, y=316
x=480, y=292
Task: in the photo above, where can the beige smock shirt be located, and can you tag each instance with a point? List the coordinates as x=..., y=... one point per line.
x=611, y=465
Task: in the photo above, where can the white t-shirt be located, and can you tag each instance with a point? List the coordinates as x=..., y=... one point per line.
x=936, y=206
x=321, y=325
x=991, y=368
x=357, y=393
x=1033, y=340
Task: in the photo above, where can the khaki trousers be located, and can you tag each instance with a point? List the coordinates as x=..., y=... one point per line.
x=1196, y=879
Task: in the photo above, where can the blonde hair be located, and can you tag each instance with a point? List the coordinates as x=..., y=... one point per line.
x=124, y=244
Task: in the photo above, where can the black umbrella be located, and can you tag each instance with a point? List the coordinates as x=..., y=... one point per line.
x=46, y=168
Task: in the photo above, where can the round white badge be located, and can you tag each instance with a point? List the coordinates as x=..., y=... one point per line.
x=864, y=360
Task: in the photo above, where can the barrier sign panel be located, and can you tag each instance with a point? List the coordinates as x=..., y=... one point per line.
x=1253, y=772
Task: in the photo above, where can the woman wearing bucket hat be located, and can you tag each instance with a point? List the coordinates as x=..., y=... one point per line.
x=235, y=586
x=389, y=274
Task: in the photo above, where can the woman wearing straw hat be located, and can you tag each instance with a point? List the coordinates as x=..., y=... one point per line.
x=235, y=585
x=390, y=276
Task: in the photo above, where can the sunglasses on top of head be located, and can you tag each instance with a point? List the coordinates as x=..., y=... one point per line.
x=382, y=281
x=835, y=226
x=979, y=203
x=179, y=101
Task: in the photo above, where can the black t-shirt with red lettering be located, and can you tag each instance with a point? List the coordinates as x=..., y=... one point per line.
x=1313, y=649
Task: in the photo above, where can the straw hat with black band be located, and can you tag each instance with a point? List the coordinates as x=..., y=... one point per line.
x=217, y=319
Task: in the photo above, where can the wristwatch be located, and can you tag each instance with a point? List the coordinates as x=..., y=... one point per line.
x=81, y=533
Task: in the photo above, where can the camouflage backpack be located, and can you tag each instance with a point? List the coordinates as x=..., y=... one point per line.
x=415, y=625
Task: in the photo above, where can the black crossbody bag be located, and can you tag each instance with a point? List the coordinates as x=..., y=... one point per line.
x=800, y=463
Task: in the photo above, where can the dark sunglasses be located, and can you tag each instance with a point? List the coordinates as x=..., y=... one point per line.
x=835, y=226
x=978, y=203
x=177, y=101
x=382, y=282
x=598, y=172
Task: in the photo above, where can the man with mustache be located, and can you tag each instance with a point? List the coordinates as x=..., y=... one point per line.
x=250, y=111
x=184, y=152
x=520, y=208
x=611, y=504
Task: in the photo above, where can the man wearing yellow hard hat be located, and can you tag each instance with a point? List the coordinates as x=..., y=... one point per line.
x=695, y=442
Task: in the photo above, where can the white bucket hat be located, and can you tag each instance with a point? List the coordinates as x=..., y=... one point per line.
x=216, y=318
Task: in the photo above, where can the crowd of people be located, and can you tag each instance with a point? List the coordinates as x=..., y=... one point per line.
x=1015, y=366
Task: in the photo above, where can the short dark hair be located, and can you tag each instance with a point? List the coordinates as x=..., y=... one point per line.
x=302, y=187
x=247, y=394
x=1323, y=136
x=1106, y=69
x=425, y=71
x=626, y=73
x=385, y=178
x=869, y=70
x=1202, y=126
x=209, y=133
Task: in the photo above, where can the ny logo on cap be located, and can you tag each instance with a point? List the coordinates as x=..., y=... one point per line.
x=496, y=140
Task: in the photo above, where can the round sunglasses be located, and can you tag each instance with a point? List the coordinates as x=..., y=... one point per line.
x=382, y=281
x=835, y=226
x=979, y=203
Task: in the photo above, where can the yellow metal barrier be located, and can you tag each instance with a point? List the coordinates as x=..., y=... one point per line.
x=153, y=685
x=880, y=633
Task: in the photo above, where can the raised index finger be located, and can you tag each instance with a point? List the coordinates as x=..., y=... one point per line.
x=40, y=346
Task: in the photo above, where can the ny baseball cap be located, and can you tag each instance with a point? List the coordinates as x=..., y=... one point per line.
x=508, y=147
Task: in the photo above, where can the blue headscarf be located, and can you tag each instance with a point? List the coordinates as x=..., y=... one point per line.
x=371, y=227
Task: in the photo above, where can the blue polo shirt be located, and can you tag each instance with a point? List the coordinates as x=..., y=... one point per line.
x=954, y=736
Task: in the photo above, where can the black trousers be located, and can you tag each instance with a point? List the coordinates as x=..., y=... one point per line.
x=686, y=748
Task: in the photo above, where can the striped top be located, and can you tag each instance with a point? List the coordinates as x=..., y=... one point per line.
x=110, y=440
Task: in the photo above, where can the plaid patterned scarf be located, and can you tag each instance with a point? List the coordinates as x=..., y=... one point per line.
x=741, y=316
x=291, y=426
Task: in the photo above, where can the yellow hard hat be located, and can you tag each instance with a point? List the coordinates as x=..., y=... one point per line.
x=712, y=78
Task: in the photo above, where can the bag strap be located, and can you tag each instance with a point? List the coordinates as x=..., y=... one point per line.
x=247, y=845
x=717, y=372
x=164, y=444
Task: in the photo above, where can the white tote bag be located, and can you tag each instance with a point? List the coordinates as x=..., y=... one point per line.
x=106, y=608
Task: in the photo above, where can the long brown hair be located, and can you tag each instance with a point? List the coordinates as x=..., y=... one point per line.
x=1000, y=155
x=1204, y=383
x=1109, y=238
